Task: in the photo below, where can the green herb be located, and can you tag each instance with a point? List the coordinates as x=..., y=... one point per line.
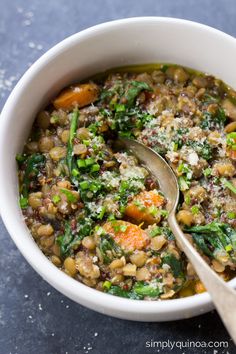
x=69, y=195
x=164, y=68
x=71, y=239
x=200, y=241
x=147, y=289
x=156, y=230
x=228, y=185
x=203, y=149
x=140, y=205
x=213, y=121
x=86, y=142
x=20, y=158
x=84, y=185
x=231, y=215
x=214, y=239
x=66, y=241
x=89, y=161
x=109, y=248
x=56, y=198
x=187, y=199
x=120, y=108
x=81, y=163
x=175, y=265
x=231, y=233
x=207, y=172
x=118, y=291
x=95, y=168
x=69, y=156
x=111, y=217
x=153, y=210
x=106, y=285
x=54, y=119
x=33, y=165
x=184, y=184
x=75, y=172
x=128, y=135
x=210, y=99
x=23, y=202
x=231, y=138
x=135, y=87
x=185, y=170
x=127, y=189
x=93, y=128
x=163, y=230
x=123, y=228
x=102, y=213
x=195, y=209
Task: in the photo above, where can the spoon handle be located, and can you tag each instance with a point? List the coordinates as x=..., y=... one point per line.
x=222, y=295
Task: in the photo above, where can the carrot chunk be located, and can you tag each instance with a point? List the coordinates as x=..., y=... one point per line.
x=144, y=207
x=129, y=236
x=232, y=154
x=79, y=95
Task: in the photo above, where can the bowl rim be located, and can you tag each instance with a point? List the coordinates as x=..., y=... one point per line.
x=70, y=287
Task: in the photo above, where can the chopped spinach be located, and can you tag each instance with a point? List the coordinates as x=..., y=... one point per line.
x=158, y=230
x=72, y=238
x=203, y=149
x=128, y=188
x=109, y=248
x=33, y=165
x=215, y=239
x=175, y=264
x=134, y=89
x=128, y=294
x=138, y=291
x=143, y=289
x=20, y=158
x=213, y=121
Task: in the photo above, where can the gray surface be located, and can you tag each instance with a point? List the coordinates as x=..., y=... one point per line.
x=35, y=318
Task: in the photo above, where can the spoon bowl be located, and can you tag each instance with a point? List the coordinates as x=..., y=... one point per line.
x=222, y=295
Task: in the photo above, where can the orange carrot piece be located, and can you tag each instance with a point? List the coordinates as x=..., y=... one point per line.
x=140, y=208
x=232, y=154
x=129, y=236
x=79, y=95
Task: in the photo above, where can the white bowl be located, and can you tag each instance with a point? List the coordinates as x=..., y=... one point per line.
x=112, y=44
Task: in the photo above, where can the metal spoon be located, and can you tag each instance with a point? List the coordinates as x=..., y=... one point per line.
x=222, y=295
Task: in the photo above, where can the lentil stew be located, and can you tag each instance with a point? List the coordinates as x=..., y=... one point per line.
x=99, y=215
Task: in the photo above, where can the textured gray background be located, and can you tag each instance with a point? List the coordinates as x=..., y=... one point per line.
x=35, y=318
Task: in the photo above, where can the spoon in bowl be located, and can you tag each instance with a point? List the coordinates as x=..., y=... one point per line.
x=222, y=295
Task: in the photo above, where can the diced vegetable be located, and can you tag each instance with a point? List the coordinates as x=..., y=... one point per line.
x=80, y=95
x=127, y=235
x=144, y=207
